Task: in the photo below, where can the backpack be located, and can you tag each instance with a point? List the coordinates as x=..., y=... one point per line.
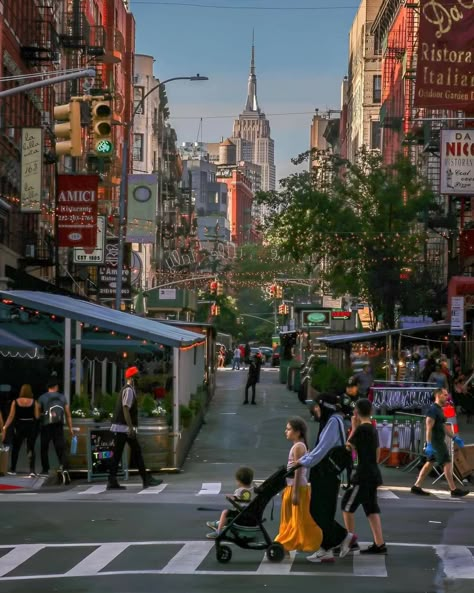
x=338, y=459
x=55, y=412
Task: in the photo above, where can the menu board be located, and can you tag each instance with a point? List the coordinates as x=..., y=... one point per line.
x=100, y=452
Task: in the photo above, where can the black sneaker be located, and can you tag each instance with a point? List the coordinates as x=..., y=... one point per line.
x=245, y=402
x=353, y=549
x=419, y=491
x=374, y=549
x=152, y=482
x=115, y=486
x=458, y=492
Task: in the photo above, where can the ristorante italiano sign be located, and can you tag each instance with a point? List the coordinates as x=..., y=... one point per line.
x=445, y=66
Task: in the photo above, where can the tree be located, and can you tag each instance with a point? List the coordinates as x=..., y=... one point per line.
x=358, y=225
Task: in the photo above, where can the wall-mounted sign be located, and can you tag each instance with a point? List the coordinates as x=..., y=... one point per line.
x=340, y=315
x=167, y=294
x=457, y=316
x=96, y=255
x=457, y=162
x=316, y=318
x=108, y=273
x=330, y=302
x=76, y=210
x=31, y=169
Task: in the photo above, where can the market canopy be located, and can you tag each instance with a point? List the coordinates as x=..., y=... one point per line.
x=104, y=317
x=14, y=347
x=341, y=339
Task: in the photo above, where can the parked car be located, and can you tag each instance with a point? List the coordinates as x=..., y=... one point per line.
x=267, y=352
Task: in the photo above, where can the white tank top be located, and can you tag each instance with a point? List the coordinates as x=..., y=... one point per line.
x=291, y=459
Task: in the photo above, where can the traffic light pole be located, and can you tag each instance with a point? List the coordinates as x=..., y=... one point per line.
x=90, y=73
x=123, y=181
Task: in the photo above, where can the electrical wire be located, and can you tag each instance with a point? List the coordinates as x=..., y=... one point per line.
x=221, y=7
x=40, y=74
x=237, y=117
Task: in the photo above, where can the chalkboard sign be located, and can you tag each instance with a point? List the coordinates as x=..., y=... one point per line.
x=100, y=452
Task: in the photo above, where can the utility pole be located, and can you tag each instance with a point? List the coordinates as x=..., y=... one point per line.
x=31, y=86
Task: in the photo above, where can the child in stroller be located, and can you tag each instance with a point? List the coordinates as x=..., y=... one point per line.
x=245, y=527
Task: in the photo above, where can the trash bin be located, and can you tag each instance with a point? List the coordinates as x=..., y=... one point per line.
x=283, y=371
x=297, y=380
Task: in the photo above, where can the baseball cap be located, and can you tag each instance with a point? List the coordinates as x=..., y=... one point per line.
x=131, y=371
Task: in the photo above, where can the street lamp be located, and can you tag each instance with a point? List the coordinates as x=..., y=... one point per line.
x=123, y=179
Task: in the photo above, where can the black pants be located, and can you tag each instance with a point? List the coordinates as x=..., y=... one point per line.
x=55, y=433
x=24, y=429
x=120, y=440
x=323, y=505
x=252, y=385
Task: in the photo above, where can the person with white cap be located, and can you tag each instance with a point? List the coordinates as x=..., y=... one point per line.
x=124, y=425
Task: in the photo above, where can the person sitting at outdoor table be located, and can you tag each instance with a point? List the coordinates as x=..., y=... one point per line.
x=438, y=377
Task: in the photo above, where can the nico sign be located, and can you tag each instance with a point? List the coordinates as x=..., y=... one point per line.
x=76, y=210
x=444, y=74
x=457, y=162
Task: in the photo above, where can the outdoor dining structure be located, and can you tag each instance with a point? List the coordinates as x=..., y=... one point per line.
x=119, y=338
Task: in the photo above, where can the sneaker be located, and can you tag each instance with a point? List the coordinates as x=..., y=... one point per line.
x=245, y=402
x=353, y=549
x=419, y=491
x=152, y=482
x=213, y=525
x=212, y=535
x=374, y=549
x=348, y=541
x=322, y=556
x=458, y=492
x=32, y=475
x=11, y=473
x=115, y=486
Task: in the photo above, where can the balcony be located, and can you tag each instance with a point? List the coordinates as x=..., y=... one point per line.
x=76, y=32
x=39, y=43
x=114, y=47
x=38, y=250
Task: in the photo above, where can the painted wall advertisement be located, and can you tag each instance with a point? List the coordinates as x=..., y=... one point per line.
x=31, y=169
x=76, y=210
x=457, y=162
x=444, y=74
x=107, y=277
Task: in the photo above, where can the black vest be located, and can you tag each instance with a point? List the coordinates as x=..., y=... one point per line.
x=119, y=416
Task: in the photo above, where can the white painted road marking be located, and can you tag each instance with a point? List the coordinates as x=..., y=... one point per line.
x=95, y=489
x=458, y=561
x=284, y=567
x=369, y=566
x=387, y=494
x=97, y=560
x=210, y=488
x=188, y=559
x=17, y=556
x=154, y=489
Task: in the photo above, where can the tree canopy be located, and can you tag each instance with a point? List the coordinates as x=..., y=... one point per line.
x=360, y=227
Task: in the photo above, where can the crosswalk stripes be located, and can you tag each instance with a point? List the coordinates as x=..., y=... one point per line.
x=210, y=488
x=94, y=489
x=197, y=558
x=387, y=494
x=154, y=489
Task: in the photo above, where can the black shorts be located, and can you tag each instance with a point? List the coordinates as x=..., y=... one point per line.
x=441, y=454
x=361, y=494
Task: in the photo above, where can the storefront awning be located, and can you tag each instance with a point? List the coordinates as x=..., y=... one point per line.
x=14, y=347
x=103, y=317
x=341, y=339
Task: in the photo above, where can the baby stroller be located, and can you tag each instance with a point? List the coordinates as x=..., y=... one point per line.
x=246, y=529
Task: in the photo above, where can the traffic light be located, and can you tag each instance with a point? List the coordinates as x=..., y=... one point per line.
x=102, y=127
x=213, y=287
x=69, y=130
x=220, y=289
x=273, y=290
x=281, y=309
x=279, y=292
x=215, y=310
x=218, y=310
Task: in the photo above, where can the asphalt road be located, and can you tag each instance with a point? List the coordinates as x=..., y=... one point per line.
x=84, y=539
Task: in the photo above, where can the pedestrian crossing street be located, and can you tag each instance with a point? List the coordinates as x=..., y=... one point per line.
x=168, y=491
x=57, y=561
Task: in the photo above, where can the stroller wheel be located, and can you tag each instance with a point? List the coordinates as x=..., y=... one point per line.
x=275, y=552
x=223, y=554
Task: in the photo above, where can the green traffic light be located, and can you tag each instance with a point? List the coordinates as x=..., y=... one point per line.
x=104, y=147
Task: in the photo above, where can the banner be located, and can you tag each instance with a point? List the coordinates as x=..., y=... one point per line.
x=444, y=74
x=107, y=274
x=457, y=162
x=76, y=210
x=31, y=169
x=142, y=201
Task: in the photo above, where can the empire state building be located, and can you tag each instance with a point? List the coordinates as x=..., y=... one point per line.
x=251, y=134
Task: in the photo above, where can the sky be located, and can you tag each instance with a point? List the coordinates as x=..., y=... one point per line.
x=300, y=58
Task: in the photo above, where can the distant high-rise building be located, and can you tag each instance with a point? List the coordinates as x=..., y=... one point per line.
x=251, y=134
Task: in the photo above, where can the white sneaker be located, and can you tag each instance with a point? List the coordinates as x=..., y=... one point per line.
x=348, y=541
x=11, y=473
x=321, y=556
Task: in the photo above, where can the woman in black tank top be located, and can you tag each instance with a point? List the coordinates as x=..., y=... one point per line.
x=24, y=414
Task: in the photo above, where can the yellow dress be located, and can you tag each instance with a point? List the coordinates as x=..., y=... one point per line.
x=298, y=531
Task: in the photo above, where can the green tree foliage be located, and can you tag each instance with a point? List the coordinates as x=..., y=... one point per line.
x=357, y=225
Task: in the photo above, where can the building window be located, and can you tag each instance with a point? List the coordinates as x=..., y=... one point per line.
x=138, y=147
x=377, y=89
x=375, y=137
x=138, y=93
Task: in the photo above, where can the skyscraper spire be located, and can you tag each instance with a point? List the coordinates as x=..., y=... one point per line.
x=252, y=103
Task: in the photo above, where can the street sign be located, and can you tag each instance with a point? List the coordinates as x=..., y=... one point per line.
x=96, y=255
x=358, y=306
x=457, y=316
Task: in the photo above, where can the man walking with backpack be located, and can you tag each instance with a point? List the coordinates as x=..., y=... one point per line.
x=327, y=461
x=55, y=412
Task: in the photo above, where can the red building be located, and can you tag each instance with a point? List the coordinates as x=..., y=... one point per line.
x=239, y=210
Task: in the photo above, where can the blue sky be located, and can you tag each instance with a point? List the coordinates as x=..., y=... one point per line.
x=301, y=58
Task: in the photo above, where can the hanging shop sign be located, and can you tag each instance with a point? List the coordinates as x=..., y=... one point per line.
x=457, y=316
x=444, y=73
x=457, y=162
x=107, y=274
x=31, y=169
x=96, y=255
x=316, y=318
x=76, y=210
x=142, y=202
